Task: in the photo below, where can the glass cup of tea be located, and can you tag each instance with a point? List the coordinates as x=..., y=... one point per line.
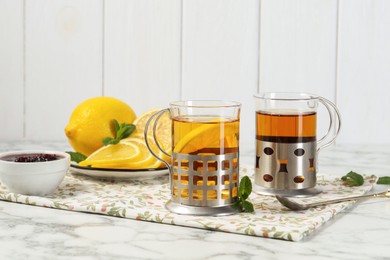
x=204, y=165
x=286, y=142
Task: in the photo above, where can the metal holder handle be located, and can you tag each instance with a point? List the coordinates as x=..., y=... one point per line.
x=158, y=116
x=329, y=106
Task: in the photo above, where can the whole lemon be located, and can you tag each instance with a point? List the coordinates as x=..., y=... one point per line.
x=92, y=120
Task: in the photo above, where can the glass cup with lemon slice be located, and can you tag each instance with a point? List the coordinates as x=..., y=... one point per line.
x=204, y=165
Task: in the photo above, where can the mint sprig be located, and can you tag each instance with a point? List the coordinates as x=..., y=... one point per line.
x=244, y=191
x=383, y=180
x=121, y=131
x=76, y=157
x=353, y=179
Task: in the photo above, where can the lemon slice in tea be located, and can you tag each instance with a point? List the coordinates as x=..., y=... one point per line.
x=193, y=136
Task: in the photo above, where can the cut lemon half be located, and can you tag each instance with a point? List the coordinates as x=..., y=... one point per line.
x=113, y=155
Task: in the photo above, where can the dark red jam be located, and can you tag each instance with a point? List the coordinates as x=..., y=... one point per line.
x=36, y=157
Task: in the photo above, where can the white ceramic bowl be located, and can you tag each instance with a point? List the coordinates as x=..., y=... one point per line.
x=33, y=178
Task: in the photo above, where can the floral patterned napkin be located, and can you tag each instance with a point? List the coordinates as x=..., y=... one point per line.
x=145, y=200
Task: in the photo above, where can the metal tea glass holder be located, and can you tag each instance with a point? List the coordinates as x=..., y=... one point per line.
x=285, y=165
x=286, y=169
x=203, y=184
x=200, y=185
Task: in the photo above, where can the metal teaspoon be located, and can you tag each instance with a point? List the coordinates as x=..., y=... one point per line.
x=297, y=206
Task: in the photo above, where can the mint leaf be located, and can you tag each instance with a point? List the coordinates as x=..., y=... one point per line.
x=245, y=188
x=76, y=157
x=353, y=179
x=247, y=206
x=109, y=140
x=244, y=191
x=121, y=131
x=125, y=130
x=116, y=125
x=383, y=180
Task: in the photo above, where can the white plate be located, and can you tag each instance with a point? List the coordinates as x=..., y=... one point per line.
x=117, y=173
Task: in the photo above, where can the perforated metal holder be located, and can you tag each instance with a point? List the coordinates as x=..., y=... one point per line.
x=286, y=169
x=204, y=184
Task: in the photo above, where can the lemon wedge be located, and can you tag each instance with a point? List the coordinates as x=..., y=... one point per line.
x=113, y=154
x=147, y=160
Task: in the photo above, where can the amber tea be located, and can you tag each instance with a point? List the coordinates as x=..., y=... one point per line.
x=286, y=126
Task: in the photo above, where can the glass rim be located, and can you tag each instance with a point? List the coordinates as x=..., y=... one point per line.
x=286, y=96
x=205, y=104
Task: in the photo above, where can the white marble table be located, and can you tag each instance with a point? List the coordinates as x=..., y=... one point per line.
x=362, y=232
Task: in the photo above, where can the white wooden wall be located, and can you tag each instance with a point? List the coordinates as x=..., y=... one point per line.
x=55, y=54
